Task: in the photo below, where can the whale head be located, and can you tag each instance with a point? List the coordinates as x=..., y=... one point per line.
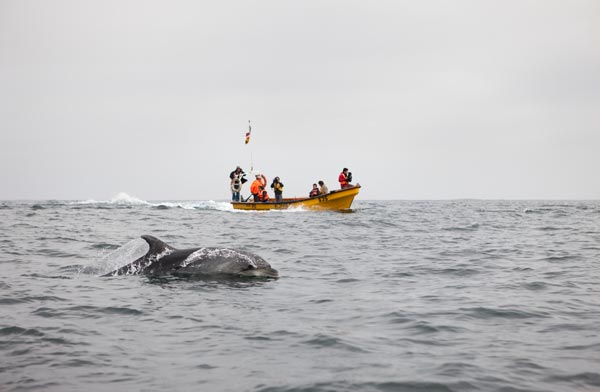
x=260, y=272
x=258, y=268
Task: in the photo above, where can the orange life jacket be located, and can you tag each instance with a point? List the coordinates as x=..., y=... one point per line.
x=263, y=196
x=255, y=187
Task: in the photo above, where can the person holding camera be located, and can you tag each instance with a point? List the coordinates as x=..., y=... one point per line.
x=345, y=178
x=277, y=186
x=238, y=178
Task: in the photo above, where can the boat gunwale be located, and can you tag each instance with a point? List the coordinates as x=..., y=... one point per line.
x=295, y=200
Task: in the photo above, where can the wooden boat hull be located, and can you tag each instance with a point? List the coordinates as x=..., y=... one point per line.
x=334, y=200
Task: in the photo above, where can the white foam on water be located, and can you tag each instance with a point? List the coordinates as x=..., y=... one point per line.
x=124, y=199
x=120, y=198
x=199, y=205
x=84, y=202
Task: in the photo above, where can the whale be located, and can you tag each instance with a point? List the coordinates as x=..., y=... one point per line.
x=163, y=259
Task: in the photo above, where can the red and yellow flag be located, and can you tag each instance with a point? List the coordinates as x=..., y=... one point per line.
x=248, y=133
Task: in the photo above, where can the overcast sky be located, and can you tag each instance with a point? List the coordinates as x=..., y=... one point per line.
x=420, y=99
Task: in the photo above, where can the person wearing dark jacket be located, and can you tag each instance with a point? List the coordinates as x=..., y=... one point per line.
x=238, y=178
x=314, y=191
x=277, y=186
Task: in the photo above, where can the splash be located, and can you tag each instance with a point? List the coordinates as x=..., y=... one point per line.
x=123, y=199
x=137, y=267
x=120, y=199
x=195, y=205
x=110, y=260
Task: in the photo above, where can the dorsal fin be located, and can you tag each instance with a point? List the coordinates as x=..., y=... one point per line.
x=156, y=245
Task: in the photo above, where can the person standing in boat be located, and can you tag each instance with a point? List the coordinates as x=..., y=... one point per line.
x=238, y=178
x=255, y=188
x=277, y=186
x=323, y=190
x=345, y=178
x=314, y=191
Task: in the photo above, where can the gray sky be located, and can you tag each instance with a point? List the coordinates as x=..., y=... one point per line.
x=420, y=99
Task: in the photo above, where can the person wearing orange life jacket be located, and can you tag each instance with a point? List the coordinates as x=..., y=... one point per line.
x=255, y=188
x=263, y=195
x=345, y=178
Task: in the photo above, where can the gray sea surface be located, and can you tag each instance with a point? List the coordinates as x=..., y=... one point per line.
x=462, y=295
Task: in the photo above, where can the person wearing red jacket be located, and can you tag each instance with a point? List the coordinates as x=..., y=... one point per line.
x=345, y=178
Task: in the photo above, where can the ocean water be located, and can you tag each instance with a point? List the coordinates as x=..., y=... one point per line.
x=461, y=295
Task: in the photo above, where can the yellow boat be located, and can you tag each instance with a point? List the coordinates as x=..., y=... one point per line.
x=335, y=200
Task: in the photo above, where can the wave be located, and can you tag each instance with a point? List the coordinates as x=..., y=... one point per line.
x=468, y=227
x=120, y=199
x=195, y=205
x=27, y=299
x=16, y=330
x=504, y=313
x=124, y=200
x=328, y=341
x=85, y=311
x=375, y=386
x=587, y=379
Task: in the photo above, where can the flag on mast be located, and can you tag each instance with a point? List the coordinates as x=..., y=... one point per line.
x=248, y=133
